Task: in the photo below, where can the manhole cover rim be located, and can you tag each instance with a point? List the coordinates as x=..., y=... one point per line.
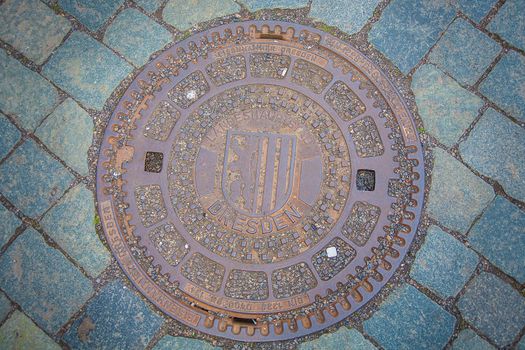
x=104, y=210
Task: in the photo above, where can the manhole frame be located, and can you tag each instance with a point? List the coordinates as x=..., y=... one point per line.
x=107, y=213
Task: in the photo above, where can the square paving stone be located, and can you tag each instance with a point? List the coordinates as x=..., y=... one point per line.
x=475, y=10
x=31, y=179
x=70, y=224
x=443, y=264
x=91, y=13
x=5, y=306
x=8, y=223
x=495, y=148
x=183, y=14
x=349, y=16
x=48, y=287
x=510, y=23
x=10, y=135
x=464, y=52
x=19, y=332
x=86, y=69
x=494, y=308
x=408, y=29
x=504, y=85
x=341, y=339
x=24, y=93
x=521, y=344
x=468, y=340
x=136, y=36
x=446, y=108
x=408, y=319
x=115, y=318
x=254, y=5
x=457, y=196
x=149, y=5
x=169, y=343
x=68, y=132
x=500, y=236
x=32, y=28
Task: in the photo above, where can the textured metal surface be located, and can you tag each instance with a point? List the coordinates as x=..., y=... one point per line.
x=260, y=181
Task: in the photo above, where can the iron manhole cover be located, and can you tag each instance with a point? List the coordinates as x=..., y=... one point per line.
x=260, y=181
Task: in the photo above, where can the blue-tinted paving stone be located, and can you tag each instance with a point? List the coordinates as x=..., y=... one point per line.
x=446, y=108
x=475, y=9
x=42, y=281
x=443, y=264
x=457, y=196
x=10, y=135
x=408, y=29
x=32, y=28
x=181, y=16
x=70, y=224
x=115, y=318
x=464, y=52
x=31, y=179
x=349, y=16
x=494, y=308
x=468, y=340
x=19, y=332
x=149, y=5
x=504, y=84
x=495, y=147
x=255, y=5
x=408, y=319
x=8, y=223
x=23, y=93
x=510, y=22
x=86, y=69
x=500, y=236
x=136, y=36
x=5, y=306
x=68, y=132
x=169, y=343
x=92, y=13
x=521, y=344
x=341, y=339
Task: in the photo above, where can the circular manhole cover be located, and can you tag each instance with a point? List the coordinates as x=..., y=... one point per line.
x=260, y=181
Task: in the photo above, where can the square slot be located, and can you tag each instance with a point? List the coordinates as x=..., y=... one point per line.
x=366, y=180
x=153, y=162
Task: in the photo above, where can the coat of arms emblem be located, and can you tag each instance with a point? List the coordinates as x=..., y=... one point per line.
x=258, y=171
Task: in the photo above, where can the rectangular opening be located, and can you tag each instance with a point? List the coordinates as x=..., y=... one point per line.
x=366, y=180
x=153, y=162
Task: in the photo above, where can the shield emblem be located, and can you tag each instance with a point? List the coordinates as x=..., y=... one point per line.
x=258, y=171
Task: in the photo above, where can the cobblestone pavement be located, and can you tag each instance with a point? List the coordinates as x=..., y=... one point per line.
x=63, y=65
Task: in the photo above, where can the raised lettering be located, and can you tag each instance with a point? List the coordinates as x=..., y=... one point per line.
x=266, y=227
x=292, y=215
x=279, y=222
